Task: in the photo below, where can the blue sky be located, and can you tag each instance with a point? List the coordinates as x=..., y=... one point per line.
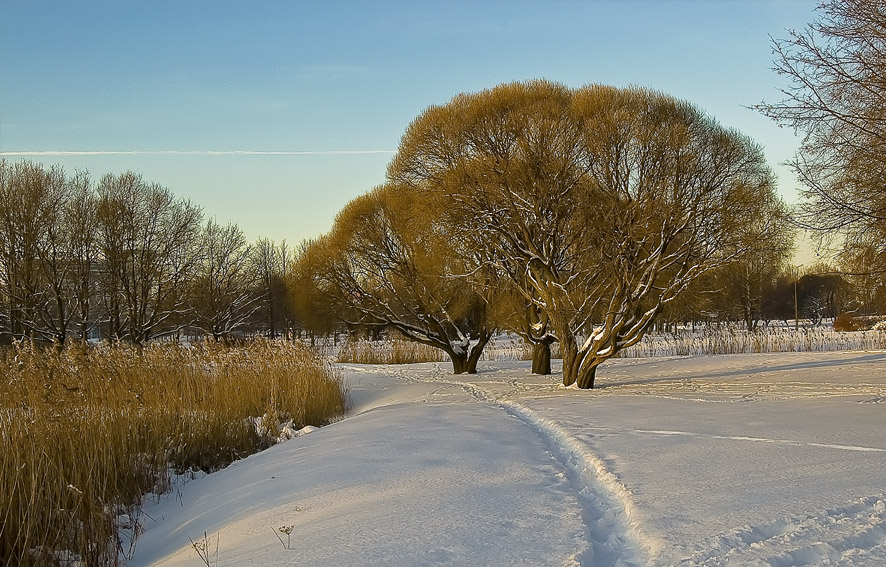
x=176, y=88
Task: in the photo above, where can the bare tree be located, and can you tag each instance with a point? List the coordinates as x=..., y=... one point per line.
x=224, y=291
x=271, y=263
x=744, y=285
x=836, y=97
x=81, y=226
x=19, y=232
x=600, y=205
x=35, y=263
x=149, y=248
x=55, y=309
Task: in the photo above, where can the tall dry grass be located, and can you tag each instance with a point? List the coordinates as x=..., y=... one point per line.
x=732, y=340
x=401, y=351
x=727, y=339
x=389, y=351
x=85, y=432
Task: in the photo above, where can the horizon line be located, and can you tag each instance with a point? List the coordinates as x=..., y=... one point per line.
x=63, y=153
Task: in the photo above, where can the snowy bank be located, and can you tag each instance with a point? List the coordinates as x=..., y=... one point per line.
x=771, y=459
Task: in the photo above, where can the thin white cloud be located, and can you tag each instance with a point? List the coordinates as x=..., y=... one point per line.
x=62, y=153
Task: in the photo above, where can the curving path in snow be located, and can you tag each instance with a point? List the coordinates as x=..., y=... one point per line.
x=614, y=536
x=769, y=460
x=419, y=474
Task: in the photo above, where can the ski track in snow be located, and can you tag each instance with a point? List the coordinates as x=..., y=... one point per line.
x=608, y=510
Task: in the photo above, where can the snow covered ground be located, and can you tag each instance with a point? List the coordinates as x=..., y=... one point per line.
x=767, y=459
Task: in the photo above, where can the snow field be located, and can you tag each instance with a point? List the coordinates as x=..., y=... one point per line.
x=719, y=450
x=762, y=460
x=608, y=508
x=437, y=480
x=849, y=535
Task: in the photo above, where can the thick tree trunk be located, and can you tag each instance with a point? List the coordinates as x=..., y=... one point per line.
x=570, y=355
x=579, y=368
x=541, y=358
x=586, y=376
x=460, y=362
x=477, y=352
x=471, y=364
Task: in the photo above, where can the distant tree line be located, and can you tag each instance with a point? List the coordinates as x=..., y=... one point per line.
x=774, y=293
x=124, y=259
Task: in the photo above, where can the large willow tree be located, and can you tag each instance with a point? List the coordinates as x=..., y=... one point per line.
x=389, y=263
x=598, y=205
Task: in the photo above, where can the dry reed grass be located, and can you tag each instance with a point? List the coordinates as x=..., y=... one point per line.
x=390, y=351
x=85, y=432
x=726, y=339
x=402, y=351
x=730, y=340
x=512, y=347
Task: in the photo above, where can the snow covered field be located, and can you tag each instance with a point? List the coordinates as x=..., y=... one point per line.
x=765, y=459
